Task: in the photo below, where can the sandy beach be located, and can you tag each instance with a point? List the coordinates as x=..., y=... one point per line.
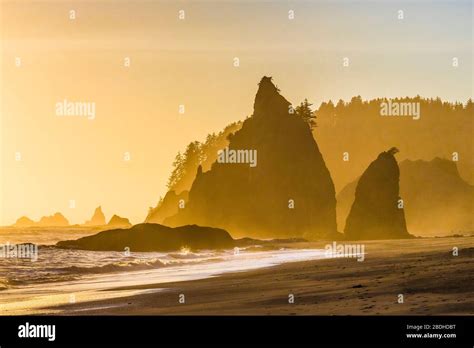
x=431, y=279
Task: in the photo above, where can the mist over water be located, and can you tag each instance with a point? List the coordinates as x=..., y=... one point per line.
x=42, y=236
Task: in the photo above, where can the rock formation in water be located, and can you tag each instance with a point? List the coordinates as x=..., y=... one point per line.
x=98, y=219
x=437, y=200
x=377, y=212
x=270, y=182
x=117, y=221
x=24, y=222
x=56, y=220
x=153, y=237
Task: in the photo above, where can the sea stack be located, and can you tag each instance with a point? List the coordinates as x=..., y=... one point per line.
x=437, y=201
x=120, y=222
x=56, y=220
x=98, y=219
x=24, y=221
x=377, y=211
x=270, y=182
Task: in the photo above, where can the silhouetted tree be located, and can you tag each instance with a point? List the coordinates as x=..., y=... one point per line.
x=185, y=165
x=305, y=112
x=193, y=156
x=340, y=106
x=178, y=171
x=469, y=106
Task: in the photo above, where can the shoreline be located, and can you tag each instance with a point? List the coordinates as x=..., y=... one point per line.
x=42, y=297
x=431, y=279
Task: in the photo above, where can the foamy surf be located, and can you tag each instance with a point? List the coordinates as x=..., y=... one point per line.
x=46, y=297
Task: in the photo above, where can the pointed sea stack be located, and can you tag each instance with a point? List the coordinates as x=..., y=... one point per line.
x=375, y=213
x=98, y=219
x=274, y=185
x=437, y=200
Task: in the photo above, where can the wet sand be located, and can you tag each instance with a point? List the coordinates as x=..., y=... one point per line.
x=431, y=280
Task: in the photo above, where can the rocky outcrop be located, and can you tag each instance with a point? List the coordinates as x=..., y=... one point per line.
x=24, y=222
x=377, y=212
x=56, y=220
x=117, y=221
x=270, y=182
x=98, y=219
x=53, y=220
x=437, y=200
x=153, y=237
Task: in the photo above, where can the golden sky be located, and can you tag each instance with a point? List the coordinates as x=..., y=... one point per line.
x=190, y=62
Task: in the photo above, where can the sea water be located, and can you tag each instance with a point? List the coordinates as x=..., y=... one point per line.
x=61, y=276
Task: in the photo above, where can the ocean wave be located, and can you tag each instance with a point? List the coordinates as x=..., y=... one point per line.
x=121, y=266
x=57, y=265
x=189, y=256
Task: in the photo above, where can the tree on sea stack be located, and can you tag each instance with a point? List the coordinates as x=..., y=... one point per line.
x=286, y=191
x=304, y=111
